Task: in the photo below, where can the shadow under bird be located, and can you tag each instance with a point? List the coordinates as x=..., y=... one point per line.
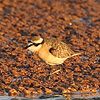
x=52, y=51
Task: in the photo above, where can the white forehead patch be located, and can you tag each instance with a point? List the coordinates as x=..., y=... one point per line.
x=38, y=41
x=30, y=43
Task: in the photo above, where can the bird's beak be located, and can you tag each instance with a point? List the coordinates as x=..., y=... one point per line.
x=29, y=44
x=26, y=47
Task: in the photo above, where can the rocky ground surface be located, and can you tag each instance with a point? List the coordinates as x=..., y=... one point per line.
x=75, y=22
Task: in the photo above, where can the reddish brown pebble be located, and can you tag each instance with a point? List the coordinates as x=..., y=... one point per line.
x=13, y=92
x=77, y=23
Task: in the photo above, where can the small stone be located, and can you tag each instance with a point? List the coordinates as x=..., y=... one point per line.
x=13, y=92
x=1, y=33
x=48, y=91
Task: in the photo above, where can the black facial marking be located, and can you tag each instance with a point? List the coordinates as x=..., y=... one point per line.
x=29, y=41
x=35, y=44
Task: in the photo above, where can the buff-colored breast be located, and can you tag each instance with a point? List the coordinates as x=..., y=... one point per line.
x=45, y=55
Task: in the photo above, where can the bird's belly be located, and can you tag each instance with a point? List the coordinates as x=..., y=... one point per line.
x=50, y=59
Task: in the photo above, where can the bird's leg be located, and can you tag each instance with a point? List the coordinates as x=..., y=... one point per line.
x=54, y=71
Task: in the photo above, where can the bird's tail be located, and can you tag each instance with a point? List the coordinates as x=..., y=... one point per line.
x=75, y=54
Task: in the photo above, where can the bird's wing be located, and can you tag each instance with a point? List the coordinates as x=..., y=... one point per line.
x=62, y=53
x=60, y=49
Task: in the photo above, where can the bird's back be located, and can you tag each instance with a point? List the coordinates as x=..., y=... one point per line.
x=58, y=49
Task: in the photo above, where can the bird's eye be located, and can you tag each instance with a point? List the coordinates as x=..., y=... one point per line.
x=29, y=41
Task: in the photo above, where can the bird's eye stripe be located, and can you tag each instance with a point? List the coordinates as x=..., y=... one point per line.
x=28, y=46
x=35, y=44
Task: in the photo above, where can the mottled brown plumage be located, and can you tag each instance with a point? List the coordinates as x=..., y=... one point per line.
x=58, y=48
x=52, y=51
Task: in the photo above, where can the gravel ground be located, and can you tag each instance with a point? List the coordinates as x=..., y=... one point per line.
x=75, y=22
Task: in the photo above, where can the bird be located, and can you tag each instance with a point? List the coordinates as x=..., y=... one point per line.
x=52, y=51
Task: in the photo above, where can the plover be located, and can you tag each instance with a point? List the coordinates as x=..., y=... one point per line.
x=52, y=51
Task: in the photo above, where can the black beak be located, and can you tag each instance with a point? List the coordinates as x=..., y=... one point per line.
x=29, y=41
x=26, y=47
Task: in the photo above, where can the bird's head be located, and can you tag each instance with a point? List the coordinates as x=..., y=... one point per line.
x=35, y=43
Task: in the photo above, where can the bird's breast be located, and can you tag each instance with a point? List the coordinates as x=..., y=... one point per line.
x=45, y=55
